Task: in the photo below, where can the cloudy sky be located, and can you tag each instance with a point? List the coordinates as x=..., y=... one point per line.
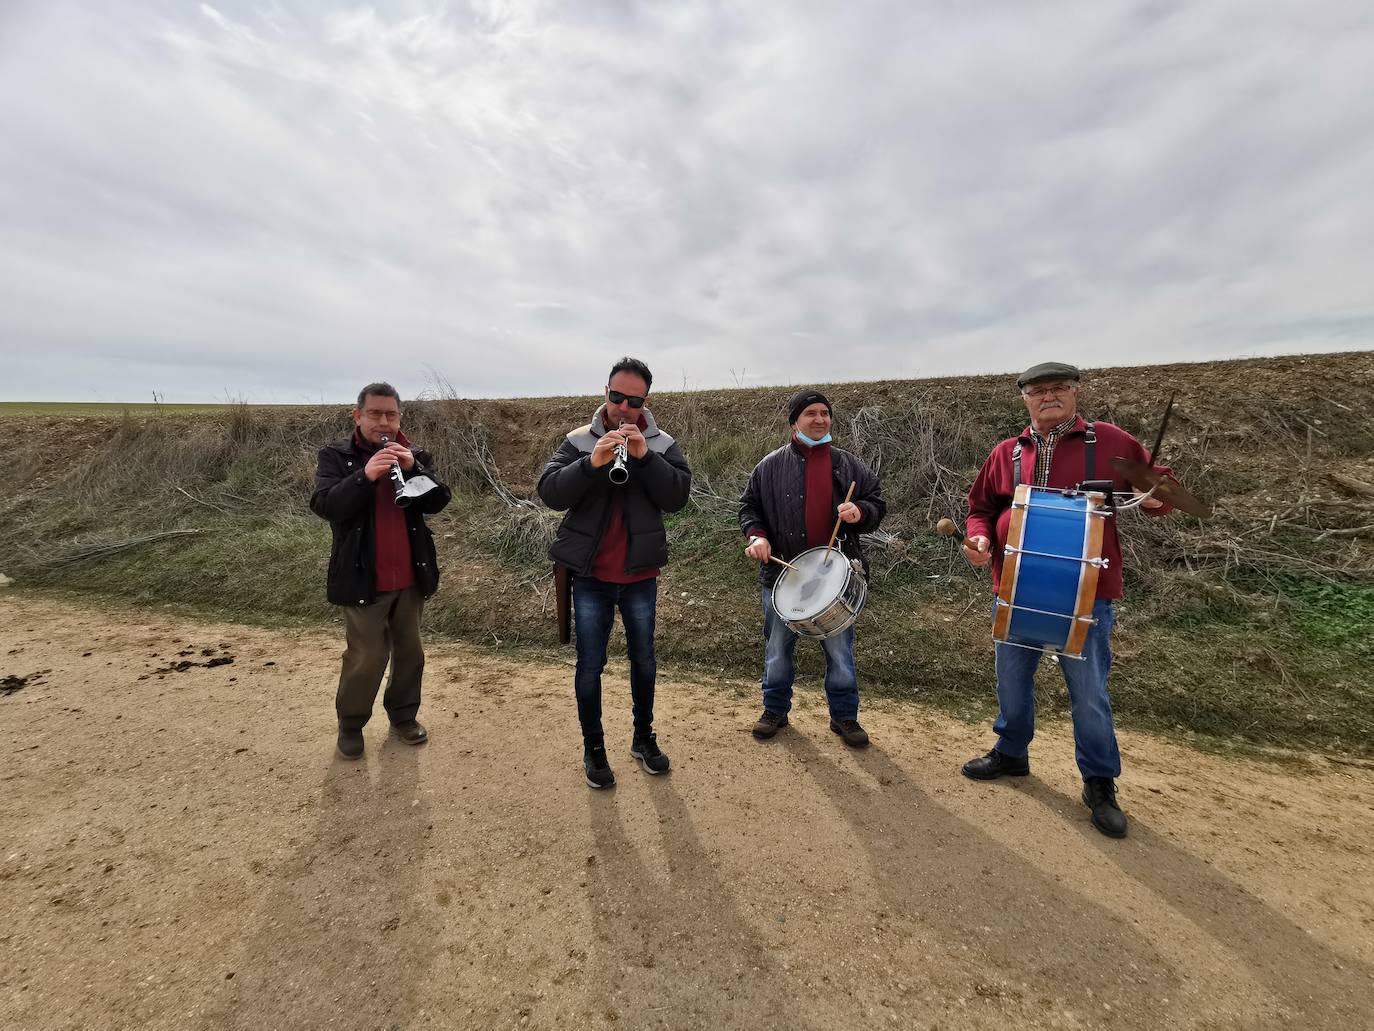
x=279, y=201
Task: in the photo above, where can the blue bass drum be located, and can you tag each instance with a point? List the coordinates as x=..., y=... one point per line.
x=1049, y=570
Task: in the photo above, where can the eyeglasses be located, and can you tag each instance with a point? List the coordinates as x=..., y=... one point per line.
x=1042, y=389
x=617, y=398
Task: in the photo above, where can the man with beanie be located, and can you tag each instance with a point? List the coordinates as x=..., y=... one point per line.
x=789, y=506
x=1058, y=450
x=382, y=565
x=615, y=477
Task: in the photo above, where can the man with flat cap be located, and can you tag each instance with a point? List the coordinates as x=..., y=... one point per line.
x=1057, y=450
x=789, y=506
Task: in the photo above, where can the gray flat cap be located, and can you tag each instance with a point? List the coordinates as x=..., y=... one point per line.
x=1046, y=370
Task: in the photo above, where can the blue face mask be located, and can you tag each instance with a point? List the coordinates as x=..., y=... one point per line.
x=812, y=443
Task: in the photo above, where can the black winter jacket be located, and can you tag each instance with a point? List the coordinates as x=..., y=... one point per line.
x=346, y=497
x=659, y=482
x=775, y=499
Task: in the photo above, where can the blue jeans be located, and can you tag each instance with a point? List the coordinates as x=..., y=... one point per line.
x=779, y=645
x=1094, y=737
x=594, y=605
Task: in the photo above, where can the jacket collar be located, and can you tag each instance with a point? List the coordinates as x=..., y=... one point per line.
x=350, y=444
x=646, y=420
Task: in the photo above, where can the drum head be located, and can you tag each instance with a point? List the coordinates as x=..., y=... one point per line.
x=811, y=588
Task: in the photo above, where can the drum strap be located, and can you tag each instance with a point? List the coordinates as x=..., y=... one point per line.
x=1089, y=456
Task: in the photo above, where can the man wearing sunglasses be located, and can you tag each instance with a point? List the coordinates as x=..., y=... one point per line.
x=1059, y=450
x=614, y=543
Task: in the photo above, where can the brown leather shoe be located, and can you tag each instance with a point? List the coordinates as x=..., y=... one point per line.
x=849, y=730
x=769, y=724
x=410, y=732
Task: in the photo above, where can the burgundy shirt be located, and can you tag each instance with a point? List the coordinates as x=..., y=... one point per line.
x=609, y=564
x=990, y=497
x=392, y=561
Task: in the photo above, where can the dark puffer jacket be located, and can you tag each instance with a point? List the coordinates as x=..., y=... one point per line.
x=347, y=498
x=659, y=482
x=775, y=499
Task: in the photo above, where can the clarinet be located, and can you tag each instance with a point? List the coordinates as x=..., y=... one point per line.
x=619, y=472
x=397, y=480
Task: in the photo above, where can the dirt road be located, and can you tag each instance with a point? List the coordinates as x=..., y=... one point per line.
x=180, y=847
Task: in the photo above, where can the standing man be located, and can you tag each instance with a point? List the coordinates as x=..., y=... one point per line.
x=1057, y=450
x=382, y=565
x=788, y=507
x=615, y=477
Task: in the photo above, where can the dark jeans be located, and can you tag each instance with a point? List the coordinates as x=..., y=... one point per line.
x=1094, y=736
x=594, y=605
x=779, y=670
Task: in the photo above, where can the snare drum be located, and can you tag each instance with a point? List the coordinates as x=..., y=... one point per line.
x=818, y=598
x=1049, y=573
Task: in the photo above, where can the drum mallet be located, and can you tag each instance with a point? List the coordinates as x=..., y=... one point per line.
x=947, y=528
x=771, y=558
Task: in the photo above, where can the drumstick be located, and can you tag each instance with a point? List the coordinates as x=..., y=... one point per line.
x=947, y=528
x=1163, y=425
x=773, y=558
x=838, y=521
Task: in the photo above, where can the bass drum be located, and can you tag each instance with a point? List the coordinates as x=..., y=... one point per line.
x=822, y=595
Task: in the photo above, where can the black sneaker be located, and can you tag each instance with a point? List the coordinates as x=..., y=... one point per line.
x=1099, y=795
x=350, y=743
x=769, y=724
x=996, y=764
x=645, y=748
x=598, y=768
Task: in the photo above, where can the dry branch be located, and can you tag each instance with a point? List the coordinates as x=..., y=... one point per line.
x=1353, y=485
x=99, y=550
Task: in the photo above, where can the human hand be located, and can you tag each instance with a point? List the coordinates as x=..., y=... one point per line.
x=403, y=455
x=759, y=549
x=379, y=465
x=605, y=448
x=1150, y=502
x=977, y=551
x=850, y=512
x=634, y=440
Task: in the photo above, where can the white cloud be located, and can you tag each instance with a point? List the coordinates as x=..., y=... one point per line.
x=271, y=202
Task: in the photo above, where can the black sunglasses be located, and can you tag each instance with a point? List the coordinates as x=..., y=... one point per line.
x=616, y=398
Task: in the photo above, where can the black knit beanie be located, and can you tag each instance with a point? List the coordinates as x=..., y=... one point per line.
x=802, y=400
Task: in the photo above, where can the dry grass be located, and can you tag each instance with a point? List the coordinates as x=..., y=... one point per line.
x=1253, y=624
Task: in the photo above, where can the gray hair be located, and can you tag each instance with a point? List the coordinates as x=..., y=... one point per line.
x=378, y=390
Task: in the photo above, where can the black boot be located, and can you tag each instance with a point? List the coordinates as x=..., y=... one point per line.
x=1099, y=795
x=996, y=764
x=350, y=743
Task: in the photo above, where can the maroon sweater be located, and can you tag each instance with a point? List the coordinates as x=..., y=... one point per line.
x=392, y=536
x=990, y=497
x=611, y=556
